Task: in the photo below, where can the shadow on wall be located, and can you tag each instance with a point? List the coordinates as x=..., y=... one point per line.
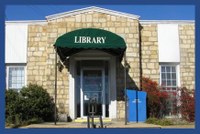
x=130, y=83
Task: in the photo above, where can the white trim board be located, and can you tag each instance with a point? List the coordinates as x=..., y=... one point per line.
x=167, y=21
x=91, y=9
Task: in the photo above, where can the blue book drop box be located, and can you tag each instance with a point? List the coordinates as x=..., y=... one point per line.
x=136, y=106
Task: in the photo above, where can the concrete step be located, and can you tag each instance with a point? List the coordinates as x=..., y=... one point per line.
x=81, y=120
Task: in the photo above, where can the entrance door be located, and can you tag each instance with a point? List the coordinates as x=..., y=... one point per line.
x=92, y=87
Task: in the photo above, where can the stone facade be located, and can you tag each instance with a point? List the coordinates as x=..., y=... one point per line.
x=37, y=56
x=150, y=55
x=187, y=54
x=149, y=50
x=41, y=53
x=41, y=64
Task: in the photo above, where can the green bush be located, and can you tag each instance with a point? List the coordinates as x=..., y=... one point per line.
x=37, y=103
x=31, y=104
x=13, y=106
x=162, y=122
x=151, y=120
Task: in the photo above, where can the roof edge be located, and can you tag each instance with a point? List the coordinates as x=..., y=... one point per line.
x=26, y=22
x=167, y=21
x=92, y=8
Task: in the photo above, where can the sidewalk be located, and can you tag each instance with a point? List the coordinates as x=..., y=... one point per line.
x=107, y=125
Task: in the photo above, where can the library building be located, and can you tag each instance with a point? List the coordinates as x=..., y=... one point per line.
x=97, y=53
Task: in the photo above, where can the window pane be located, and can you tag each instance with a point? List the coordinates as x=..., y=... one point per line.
x=168, y=82
x=162, y=69
x=10, y=75
x=173, y=75
x=18, y=72
x=10, y=71
x=168, y=76
x=174, y=83
x=163, y=83
x=173, y=69
x=14, y=73
x=22, y=72
x=19, y=85
x=168, y=69
x=16, y=77
x=9, y=84
x=163, y=76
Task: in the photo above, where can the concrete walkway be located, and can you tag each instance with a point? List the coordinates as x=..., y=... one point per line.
x=107, y=125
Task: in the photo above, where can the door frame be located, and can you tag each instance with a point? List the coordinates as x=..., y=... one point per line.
x=103, y=89
x=92, y=55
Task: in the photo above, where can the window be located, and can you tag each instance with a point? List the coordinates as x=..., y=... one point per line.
x=169, y=78
x=15, y=77
x=169, y=83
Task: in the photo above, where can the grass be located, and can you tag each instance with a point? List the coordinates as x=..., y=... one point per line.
x=18, y=124
x=168, y=121
x=162, y=122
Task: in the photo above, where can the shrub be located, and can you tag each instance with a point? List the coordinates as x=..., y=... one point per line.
x=32, y=103
x=156, y=100
x=37, y=103
x=162, y=122
x=151, y=120
x=13, y=106
x=187, y=107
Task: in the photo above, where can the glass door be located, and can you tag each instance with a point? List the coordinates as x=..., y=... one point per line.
x=92, y=87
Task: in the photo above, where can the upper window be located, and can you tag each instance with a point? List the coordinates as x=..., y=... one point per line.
x=16, y=77
x=169, y=77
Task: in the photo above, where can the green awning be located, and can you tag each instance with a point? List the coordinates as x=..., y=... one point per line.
x=92, y=39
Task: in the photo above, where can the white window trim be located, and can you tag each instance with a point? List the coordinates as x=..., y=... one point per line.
x=177, y=72
x=177, y=79
x=178, y=75
x=15, y=65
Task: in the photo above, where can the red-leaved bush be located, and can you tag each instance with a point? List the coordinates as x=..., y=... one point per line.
x=187, y=107
x=156, y=103
x=183, y=100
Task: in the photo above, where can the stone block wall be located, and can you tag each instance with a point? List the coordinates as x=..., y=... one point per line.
x=37, y=56
x=41, y=53
x=124, y=27
x=41, y=64
x=53, y=32
x=187, y=55
x=149, y=48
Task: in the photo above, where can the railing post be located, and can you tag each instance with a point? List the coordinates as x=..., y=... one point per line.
x=125, y=92
x=55, y=111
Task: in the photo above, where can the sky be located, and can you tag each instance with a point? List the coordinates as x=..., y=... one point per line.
x=146, y=12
